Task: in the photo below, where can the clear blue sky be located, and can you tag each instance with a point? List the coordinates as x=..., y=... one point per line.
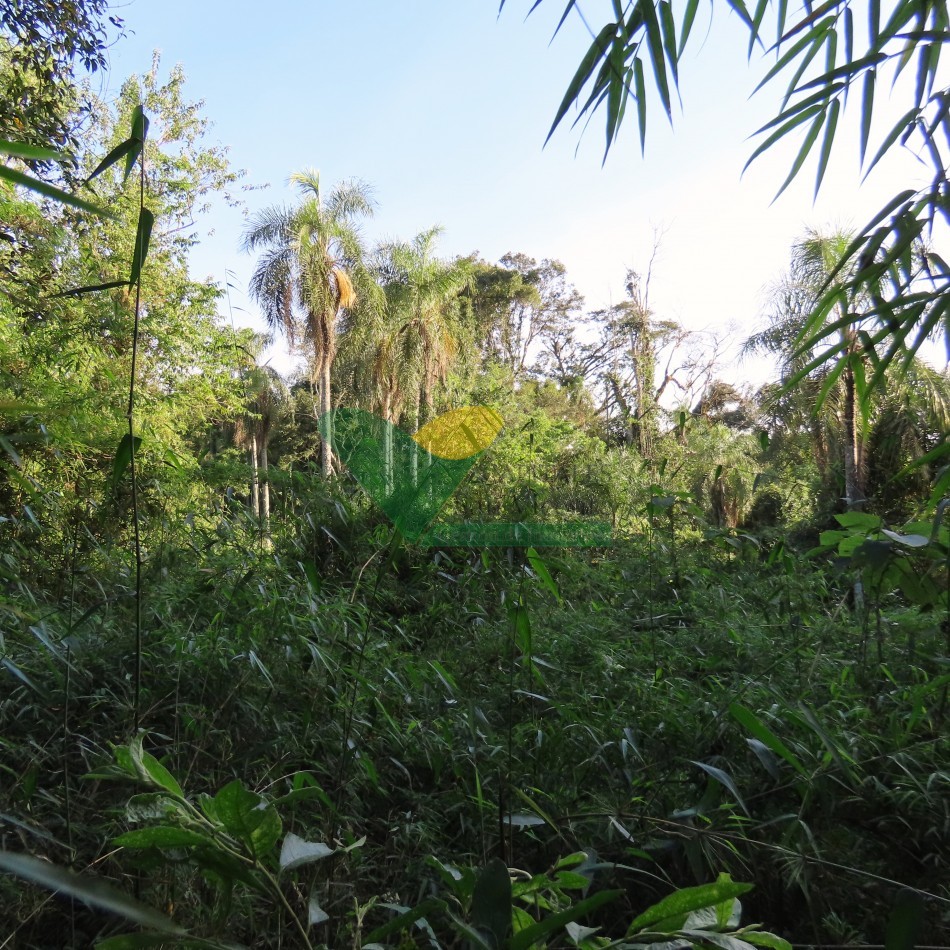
x=443, y=107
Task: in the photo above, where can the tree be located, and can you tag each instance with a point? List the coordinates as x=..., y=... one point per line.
x=312, y=255
x=65, y=357
x=519, y=305
x=839, y=415
x=815, y=259
x=267, y=398
x=406, y=339
x=826, y=58
x=41, y=42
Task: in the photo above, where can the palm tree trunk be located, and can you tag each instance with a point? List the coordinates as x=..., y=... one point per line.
x=850, y=457
x=266, y=488
x=387, y=443
x=852, y=487
x=255, y=484
x=414, y=463
x=325, y=407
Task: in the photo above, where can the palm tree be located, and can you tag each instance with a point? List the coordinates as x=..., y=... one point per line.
x=847, y=420
x=814, y=259
x=407, y=338
x=307, y=273
x=267, y=398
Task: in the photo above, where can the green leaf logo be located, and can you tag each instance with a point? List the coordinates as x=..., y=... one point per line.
x=410, y=477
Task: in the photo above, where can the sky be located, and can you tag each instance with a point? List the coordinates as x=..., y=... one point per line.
x=443, y=107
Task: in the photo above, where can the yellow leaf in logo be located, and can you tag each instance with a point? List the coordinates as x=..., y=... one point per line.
x=460, y=433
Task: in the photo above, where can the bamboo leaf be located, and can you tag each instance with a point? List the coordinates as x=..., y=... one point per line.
x=530, y=936
x=724, y=779
x=123, y=458
x=689, y=17
x=57, y=194
x=142, y=237
x=597, y=51
x=85, y=889
x=830, y=127
x=122, y=149
x=867, y=110
x=34, y=152
x=640, y=87
x=749, y=721
x=803, y=153
x=90, y=289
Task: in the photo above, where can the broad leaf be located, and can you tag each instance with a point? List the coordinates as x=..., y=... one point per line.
x=295, y=852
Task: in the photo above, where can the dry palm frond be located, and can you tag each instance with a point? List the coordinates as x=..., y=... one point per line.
x=346, y=293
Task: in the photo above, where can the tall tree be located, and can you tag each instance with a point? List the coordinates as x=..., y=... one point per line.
x=519, y=303
x=406, y=340
x=41, y=43
x=814, y=259
x=305, y=277
x=839, y=415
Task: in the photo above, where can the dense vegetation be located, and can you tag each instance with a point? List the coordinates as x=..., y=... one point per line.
x=238, y=708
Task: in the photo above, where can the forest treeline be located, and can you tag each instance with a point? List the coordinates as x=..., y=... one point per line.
x=238, y=708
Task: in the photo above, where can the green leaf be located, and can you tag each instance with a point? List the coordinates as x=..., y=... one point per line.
x=689, y=17
x=685, y=900
x=296, y=852
x=522, y=629
x=761, y=939
x=655, y=48
x=147, y=765
x=724, y=779
x=544, y=575
x=598, y=50
x=491, y=901
x=143, y=234
x=129, y=146
x=246, y=817
x=527, y=938
x=749, y=721
x=34, y=152
x=859, y=519
x=123, y=457
x=139, y=134
x=57, y=194
x=162, y=836
x=90, y=289
x=831, y=125
x=641, y=96
x=14, y=670
x=7, y=447
x=810, y=138
x=867, y=110
x=86, y=889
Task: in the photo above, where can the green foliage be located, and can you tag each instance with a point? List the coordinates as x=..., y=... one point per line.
x=354, y=741
x=824, y=57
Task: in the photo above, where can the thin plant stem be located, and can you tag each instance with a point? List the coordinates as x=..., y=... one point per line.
x=132, y=468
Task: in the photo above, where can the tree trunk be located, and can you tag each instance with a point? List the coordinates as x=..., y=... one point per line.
x=387, y=443
x=255, y=484
x=414, y=448
x=266, y=488
x=852, y=475
x=326, y=460
x=853, y=492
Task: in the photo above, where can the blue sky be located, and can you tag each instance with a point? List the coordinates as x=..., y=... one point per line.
x=443, y=107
